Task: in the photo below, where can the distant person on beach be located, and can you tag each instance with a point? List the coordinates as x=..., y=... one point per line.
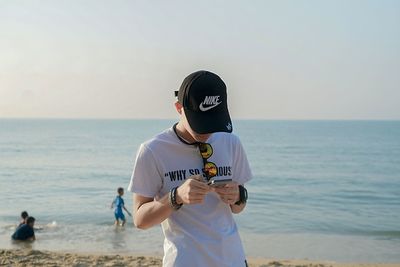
x=25, y=231
x=24, y=217
x=118, y=204
x=178, y=179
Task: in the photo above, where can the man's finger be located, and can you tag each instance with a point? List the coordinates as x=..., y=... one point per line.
x=197, y=177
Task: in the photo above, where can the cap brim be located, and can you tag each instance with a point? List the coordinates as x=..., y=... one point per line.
x=209, y=122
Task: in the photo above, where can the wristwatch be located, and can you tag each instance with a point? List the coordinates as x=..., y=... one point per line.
x=242, y=195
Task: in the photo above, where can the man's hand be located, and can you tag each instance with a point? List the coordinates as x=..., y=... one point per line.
x=192, y=191
x=228, y=193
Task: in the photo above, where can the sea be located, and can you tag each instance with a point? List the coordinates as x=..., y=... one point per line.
x=322, y=190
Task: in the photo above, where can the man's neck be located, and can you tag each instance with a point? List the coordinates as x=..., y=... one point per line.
x=184, y=134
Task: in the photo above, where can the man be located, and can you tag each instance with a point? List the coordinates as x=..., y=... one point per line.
x=172, y=174
x=25, y=231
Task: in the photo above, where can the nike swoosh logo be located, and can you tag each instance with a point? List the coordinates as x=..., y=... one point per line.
x=203, y=108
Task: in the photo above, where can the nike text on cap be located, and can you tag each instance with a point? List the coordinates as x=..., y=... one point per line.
x=204, y=99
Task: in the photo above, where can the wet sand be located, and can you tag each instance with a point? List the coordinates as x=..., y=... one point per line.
x=27, y=257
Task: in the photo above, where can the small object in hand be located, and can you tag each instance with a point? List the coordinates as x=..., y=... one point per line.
x=219, y=183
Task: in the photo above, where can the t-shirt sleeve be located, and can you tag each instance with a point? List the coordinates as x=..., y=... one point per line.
x=241, y=167
x=146, y=179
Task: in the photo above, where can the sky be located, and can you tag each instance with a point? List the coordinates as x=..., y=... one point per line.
x=300, y=60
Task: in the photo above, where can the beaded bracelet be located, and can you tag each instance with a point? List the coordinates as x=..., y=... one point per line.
x=172, y=199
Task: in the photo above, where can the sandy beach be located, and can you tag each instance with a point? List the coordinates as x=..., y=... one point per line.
x=22, y=257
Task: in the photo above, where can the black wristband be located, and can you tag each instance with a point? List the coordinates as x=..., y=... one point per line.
x=242, y=195
x=172, y=199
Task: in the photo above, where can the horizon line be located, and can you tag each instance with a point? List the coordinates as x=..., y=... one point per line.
x=165, y=119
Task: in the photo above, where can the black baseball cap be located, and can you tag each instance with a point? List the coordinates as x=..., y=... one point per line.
x=204, y=99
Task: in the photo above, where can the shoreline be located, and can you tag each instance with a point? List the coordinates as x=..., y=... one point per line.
x=31, y=257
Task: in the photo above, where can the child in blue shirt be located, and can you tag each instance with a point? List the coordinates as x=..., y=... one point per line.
x=118, y=204
x=25, y=231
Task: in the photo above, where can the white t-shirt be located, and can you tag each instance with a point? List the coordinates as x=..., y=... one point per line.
x=200, y=234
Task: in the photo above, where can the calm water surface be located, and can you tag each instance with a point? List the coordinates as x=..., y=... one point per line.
x=326, y=190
